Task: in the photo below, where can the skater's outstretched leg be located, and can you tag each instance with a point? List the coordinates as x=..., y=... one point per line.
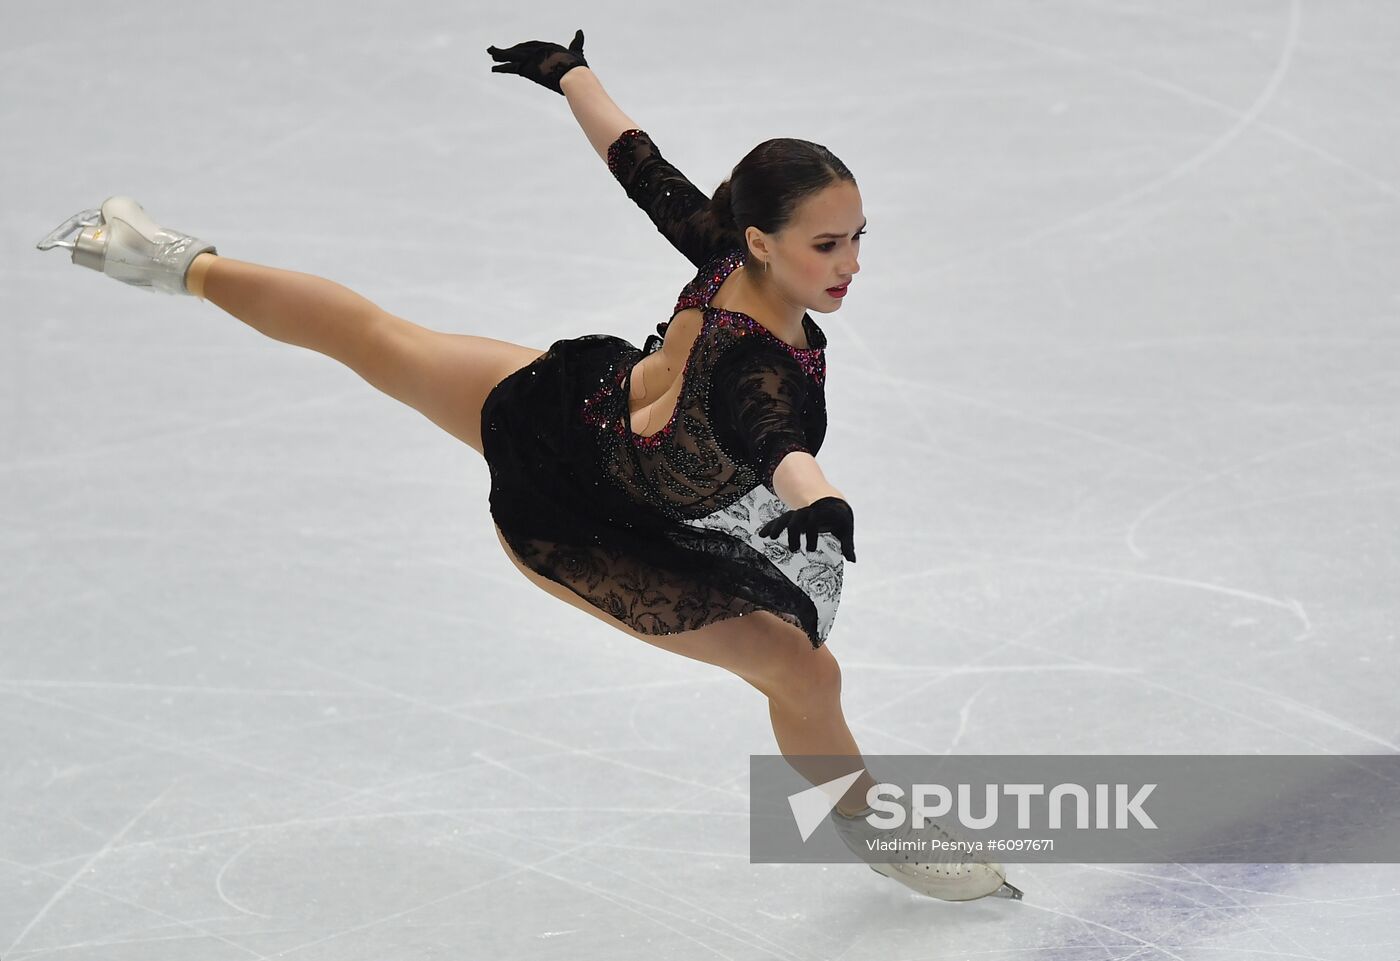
x=296, y=308
x=444, y=376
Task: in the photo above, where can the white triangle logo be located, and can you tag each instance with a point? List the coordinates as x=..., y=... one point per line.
x=810, y=807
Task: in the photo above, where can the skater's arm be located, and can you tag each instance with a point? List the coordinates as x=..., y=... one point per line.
x=799, y=480
x=601, y=119
x=680, y=211
x=762, y=394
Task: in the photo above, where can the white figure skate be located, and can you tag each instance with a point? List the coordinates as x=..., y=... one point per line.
x=122, y=242
x=941, y=875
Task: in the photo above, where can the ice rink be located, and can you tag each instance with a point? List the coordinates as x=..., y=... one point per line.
x=1115, y=399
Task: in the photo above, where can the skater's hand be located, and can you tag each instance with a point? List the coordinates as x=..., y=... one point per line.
x=540, y=61
x=828, y=514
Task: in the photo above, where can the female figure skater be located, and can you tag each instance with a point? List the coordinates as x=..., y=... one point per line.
x=648, y=487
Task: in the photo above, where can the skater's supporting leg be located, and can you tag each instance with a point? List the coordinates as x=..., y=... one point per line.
x=807, y=721
x=803, y=686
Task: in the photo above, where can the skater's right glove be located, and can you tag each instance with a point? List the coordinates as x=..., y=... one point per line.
x=830, y=514
x=539, y=60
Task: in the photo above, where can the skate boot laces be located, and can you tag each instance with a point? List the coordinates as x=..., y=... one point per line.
x=941, y=867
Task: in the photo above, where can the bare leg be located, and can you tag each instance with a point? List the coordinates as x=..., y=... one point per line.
x=803, y=686
x=444, y=376
x=292, y=307
x=815, y=725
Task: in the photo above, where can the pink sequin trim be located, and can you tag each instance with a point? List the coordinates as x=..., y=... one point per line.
x=699, y=291
x=623, y=141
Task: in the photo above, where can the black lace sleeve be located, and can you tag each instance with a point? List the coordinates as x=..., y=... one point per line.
x=675, y=205
x=761, y=392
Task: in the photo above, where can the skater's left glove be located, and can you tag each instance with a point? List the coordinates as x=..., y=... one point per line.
x=539, y=60
x=831, y=514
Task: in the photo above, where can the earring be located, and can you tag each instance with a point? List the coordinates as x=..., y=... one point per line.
x=765, y=266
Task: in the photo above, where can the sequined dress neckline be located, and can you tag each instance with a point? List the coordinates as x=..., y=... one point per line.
x=708, y=282
x=697, y=294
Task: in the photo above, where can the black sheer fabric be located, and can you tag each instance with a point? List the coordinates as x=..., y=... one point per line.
x=765, y=394
x=675, y=205
x=659, y=531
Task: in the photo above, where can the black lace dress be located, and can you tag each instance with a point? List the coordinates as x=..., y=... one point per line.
x=660, y=531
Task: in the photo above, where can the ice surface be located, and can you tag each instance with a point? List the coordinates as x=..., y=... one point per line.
x=1115, y=397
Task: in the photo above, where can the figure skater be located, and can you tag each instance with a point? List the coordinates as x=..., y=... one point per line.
x=649, y=487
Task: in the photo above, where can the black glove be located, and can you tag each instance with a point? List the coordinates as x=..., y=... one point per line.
x=540, y=61
x=828, y=514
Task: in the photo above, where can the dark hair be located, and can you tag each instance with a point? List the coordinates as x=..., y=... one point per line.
x=767, y=186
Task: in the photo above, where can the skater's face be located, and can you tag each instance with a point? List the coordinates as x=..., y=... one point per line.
x=819, y=248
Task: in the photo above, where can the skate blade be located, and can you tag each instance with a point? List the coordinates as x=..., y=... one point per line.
x=64, y=235
x=1007, y=889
